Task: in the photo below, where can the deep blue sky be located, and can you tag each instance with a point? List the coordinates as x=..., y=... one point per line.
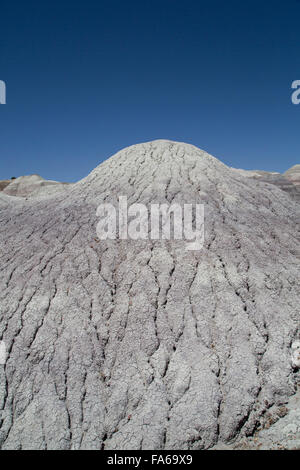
x=85, y=79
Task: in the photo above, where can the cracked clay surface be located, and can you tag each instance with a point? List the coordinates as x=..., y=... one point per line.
x=124, y=344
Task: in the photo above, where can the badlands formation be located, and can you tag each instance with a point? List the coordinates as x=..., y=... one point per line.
x=142, y=344
x=29, y=185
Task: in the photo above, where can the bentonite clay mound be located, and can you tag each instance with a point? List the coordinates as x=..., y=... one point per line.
x=131, y=344
x=30, y=185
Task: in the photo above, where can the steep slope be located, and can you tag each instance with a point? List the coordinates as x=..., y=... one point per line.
x=124, y=344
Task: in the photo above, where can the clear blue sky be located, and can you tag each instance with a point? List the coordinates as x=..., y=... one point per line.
x=85, y=79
